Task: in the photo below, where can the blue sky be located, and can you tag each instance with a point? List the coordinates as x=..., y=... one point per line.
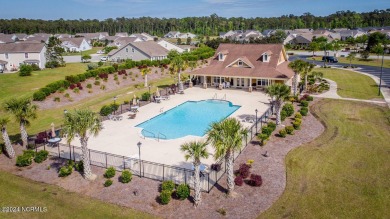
x=102, y=9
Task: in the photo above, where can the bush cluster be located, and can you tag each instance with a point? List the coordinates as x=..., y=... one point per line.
x=145, y=96
x=108, y=109
x=239, y=181
x=255, y=180
x=108, y=183
x=126, y=176
x=25, y=70
x=110, y=172
x=289, y=109
x=41, y=156
x=168, y=185
x=165, y=197
x=304, y=103
x=182, y=191
x=289, y=130
x=303, y=111
x=25, y=159
x=244, y=170
x=282, y=133
x=65, y=171
x=42, y=93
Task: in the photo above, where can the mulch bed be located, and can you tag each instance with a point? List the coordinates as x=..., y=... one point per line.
x=248, y=203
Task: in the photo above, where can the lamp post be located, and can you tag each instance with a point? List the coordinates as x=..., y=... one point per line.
x=380, y=76
x=256, y=120
x=150, y=95
x=139, y=157
x=114, y=104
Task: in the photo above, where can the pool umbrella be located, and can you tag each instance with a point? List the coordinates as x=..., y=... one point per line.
x=157, y=93
x=53, y=133
x=134, y=100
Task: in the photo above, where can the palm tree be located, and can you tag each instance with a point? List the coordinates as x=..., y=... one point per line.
x=226, y=137
x=83, y=123
x=298, y=67
x=278, y=92
x=145, y=72
x=22, y=109
x=307, y=68
x=8, y=146
x=195, y=150
x=351, y=56
x=177, y=65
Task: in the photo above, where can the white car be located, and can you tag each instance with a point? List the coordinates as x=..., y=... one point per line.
x=104, y=58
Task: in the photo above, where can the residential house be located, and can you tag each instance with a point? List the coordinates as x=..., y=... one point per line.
x=143, y=36
x=93, y=36
x=6, y=38
x=76, y=44
x=121, y=34
x=246, y=66
x=38, y=38
x=170, y=46
x=172, y=34
x=12, y=55
x=147, y=50
x=63, y=35
x=229, y=33
x=344, y=34
x=122, y=41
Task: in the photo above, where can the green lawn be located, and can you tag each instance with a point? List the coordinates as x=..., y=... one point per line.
x=359, y=61
x=352, y=84
x=17, y=191
x=11, y=85
x=345, y=172
x=88, y=52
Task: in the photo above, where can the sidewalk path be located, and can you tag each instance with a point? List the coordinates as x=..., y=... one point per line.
x=332, y=93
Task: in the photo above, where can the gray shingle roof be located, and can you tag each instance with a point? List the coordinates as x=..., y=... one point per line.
x=21, y=47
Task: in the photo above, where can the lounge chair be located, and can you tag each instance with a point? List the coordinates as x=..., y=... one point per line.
x=180, y=92
x=248, y=120
x=118, y=118
x=132, y=116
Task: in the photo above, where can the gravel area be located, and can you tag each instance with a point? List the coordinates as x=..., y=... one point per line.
x=248, y=203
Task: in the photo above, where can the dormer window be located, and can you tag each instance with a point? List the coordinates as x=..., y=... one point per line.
x=266, y=57
x=220, y=57
x=239, y=63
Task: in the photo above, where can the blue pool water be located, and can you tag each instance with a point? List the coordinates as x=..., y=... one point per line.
x=189, y=118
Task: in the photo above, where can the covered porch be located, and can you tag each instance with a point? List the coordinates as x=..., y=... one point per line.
x=222, y=82
x=3, y=65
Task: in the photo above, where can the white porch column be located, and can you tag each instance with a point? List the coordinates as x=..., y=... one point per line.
x=204, y=82
x=191, y=85
x=250, y=85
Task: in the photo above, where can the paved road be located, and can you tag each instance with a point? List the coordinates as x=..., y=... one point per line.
x=362, y=68
x=331, y=53
x=75, y=59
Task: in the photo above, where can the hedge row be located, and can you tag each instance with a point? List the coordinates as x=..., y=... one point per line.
x=42, y=93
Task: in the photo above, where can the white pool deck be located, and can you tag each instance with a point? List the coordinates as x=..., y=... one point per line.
x=121, y=137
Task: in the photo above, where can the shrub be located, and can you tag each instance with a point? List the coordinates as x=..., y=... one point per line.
x=25, y=70
x=168, y=186
x=97, y=83
x=41, y=156
x=145, y=96
x=165, y=197
x=244, y=170
x=289, y=109
x=35, y=67
x=263, y=138
x=76, y=90
x=310, y=98
x=298, y=116
x=296, y=125
x=239, y=181
x=39, y=95
x=89, y=86
x=67, y=95
x=266, y=131
x=250, y=162
x=283, y=115
x=272, y=126
x=126, y=176
x=304, y=111
x=65, y=171
x=183, y=191
x=57, y=99
x=92, y=66
x=255, y=180
x=304, y=103
x=282, y=133
x=110, y=172
x=103, y=87
x=108, y=183
x=73, y=79
x=61, y=90
x=289, y=130
x=126, y=102
x=105, y=110
x=222, y=211
x=298, y=120
x=25, y=159
x=79, y=166
x=46, y=90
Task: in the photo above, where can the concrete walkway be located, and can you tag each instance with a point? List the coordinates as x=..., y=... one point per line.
x=332, y=93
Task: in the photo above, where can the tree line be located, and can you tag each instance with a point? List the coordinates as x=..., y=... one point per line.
x=206, y=25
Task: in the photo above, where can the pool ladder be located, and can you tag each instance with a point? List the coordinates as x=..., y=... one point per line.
x=162, y=135
x=159, y=136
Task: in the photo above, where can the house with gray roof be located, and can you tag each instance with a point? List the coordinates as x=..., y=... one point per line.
x=344, y=34
x=12, y=55
x=76, y=44
x=147, y=50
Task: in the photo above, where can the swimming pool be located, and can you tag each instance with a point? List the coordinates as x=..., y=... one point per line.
x=188, y=118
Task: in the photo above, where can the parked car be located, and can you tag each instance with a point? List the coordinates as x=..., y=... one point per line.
x=330, y=59
x=104, y=58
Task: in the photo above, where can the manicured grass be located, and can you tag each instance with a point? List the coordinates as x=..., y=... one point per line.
x=12, y=85
x=345, y=172
x=351, y=84
x=20, y=192
x=88, y=52
x=359, y=61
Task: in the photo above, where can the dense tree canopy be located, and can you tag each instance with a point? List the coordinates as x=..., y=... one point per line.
x=207, y=25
